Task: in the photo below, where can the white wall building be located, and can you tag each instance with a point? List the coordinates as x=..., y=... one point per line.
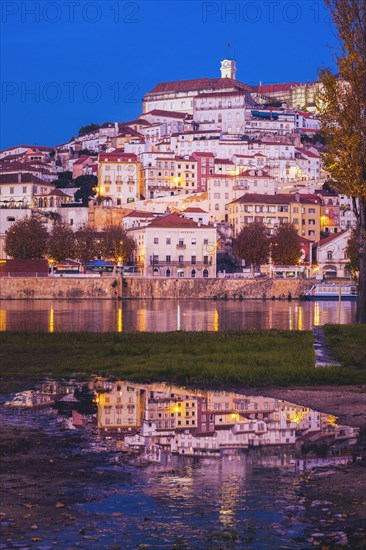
x=173, y=246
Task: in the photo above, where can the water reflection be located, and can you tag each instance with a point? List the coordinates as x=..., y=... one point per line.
x=207, y=469
x=155, y=422
x=169, y=315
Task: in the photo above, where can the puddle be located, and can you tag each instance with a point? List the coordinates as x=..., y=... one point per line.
x=187, y=468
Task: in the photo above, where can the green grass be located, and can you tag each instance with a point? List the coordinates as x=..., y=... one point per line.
x=232, y=358
x=348, y=344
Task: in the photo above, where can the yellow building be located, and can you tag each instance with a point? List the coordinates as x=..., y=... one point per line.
x=273, y=210
x=120, y=178
x=121, y=408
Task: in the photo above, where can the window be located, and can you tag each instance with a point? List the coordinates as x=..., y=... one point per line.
x=193, y=259
x=311, y=210
x=329, y=255
x=168, y=259
x=24, y=189
x=12, y=190
x=168, y=240
x=156, y=240
x=193, y=241
x=181, y=259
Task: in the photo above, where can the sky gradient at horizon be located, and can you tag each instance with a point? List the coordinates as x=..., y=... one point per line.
x=67, y=63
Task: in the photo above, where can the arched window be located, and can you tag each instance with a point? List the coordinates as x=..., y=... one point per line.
x=193, y=273
x=205, y=273
x=156, y=272
x=168, y=273
x=329, y=255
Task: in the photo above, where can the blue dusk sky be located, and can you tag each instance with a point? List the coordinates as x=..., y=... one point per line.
x=67, y=63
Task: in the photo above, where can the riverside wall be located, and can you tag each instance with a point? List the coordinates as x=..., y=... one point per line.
x=107, y=288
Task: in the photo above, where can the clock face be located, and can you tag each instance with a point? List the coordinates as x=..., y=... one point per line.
x=226, y=64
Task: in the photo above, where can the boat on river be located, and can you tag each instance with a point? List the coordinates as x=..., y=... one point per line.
x=332, y=291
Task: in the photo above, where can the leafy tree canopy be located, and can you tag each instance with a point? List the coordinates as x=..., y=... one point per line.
x=88, y=128
x=26, y=240
x=342, y=104
x=286, y=249
x=252, y=244
x=115, y=244
x=61, y=242
x=87, y=184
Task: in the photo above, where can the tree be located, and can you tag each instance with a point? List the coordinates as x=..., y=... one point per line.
x=252, y=244
x=26, y=240
x=61, y=242
x=115, y=244
x=342, y=104
x=64, y=179
x=286, y=249
x=87, y=185
x=353, y=265
x=86, y=243
x=88, y=128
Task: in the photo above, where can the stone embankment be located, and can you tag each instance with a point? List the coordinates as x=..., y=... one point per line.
x=107, y=288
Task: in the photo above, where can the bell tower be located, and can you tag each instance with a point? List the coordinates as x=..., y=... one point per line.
x=228, y=68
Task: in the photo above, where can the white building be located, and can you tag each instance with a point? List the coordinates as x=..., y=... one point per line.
x=119, y=178
x=331, y=254
x=174, y=246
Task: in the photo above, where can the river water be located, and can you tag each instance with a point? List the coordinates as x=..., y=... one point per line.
x=169, y=315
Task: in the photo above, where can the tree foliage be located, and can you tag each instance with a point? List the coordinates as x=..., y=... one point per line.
x=88, y=128
x=286, y=248
x=86, y=244
x=61, y=242
x=342, y=104
x=87, y=184
x=26, y=240
x=115, y=244
x=353, y=264
x=64, y=179
x=252, y=244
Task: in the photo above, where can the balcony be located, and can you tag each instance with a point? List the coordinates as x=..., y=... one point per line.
x=181, y=246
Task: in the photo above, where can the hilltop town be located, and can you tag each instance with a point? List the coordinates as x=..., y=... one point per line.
x=205, y=158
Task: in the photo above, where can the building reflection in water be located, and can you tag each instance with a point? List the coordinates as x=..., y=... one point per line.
x=155, y=422
x=119, y=320
x=316, y=314
x=216, y=321
x=2, y=320
x=169, y=315
x=51, y=321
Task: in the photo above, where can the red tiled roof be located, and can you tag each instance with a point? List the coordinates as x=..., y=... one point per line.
x=307, y=152
x=254, y=173
x=223, y=161
x=58, y=193
x=284, y=198
x=34, y=147
x=193, y=210
x=169, y=114
x=25, y=178
x=201, y=154
x=116, y=156
x=174, y=220
x=330, y=238
x=140, y=214
x=198, y=84
x=268, y=88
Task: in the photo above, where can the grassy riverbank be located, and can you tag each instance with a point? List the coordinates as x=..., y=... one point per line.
x=246, y=358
